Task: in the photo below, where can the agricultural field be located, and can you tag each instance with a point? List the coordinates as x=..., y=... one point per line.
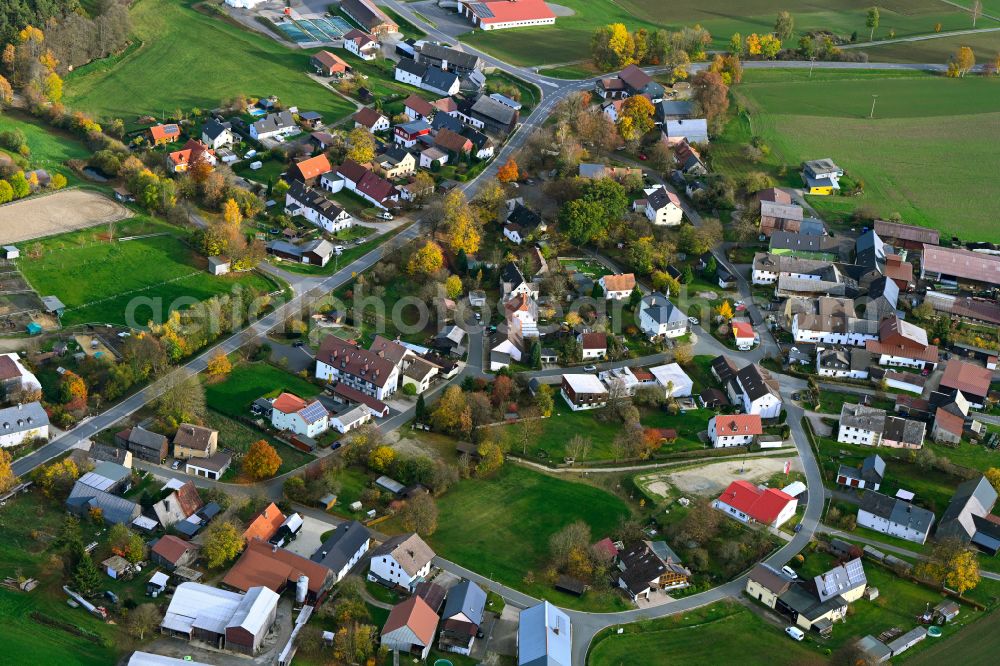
x=722, y=633
x=49, y=150
x=569, y=39
x=189, y=59
x=918, y=118
x=984, y=45
x=501, y=526
x=97, y=279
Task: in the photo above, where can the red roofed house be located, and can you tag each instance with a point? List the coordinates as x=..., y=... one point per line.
x=593, y=345
x=744, y=335
x=418, y=108
x=371, y=120
x=501, y=14
x=264, y=524
x=899, y=271
x=606, y=549
x=617, y=287
x=734, y=430
x=293, y=414
x=410, y=627
x=364, y=370
x=445, y=105
x=194, y=151
x=972, y=380
x=361, y=44
x=747, y=503
x=453, y=142
x=329, y=64
x=902, y=343
x=161, y=134
x=173, y=552
x=308, y=171
x=277, y=569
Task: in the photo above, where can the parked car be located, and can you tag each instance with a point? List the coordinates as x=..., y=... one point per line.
x=298, y=344
x=788, y=571
x=693, y=320
x=795, y=633
x=338, y=249
x=384, y=215
x=176, y=465
x=589, y=368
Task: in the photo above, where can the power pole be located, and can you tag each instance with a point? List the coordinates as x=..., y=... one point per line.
x=872, y=114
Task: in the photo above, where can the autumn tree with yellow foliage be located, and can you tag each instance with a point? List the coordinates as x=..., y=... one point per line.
x=952, y=564
x=636, y=118
x=508, y=173
x=725, y=310
x=427, y=260
x=261, y=461
x=218, y=365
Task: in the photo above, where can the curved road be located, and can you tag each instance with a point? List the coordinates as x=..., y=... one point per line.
x=585, y=624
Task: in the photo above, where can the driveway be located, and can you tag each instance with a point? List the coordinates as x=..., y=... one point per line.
x=297, y=358
x=308, y=539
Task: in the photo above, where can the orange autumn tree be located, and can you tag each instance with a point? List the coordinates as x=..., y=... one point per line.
x=73, y=391
x=219, y=365
x=508, y=173
x=261, y=461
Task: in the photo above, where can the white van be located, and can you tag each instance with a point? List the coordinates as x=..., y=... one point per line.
x=790, y=572
x=795, y=633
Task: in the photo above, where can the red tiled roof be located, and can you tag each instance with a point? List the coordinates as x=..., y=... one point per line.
x=192, y=151
x=953, y=423
x=354, y=360
x=775, y=195
x=420, y=105
x=417, y=616
x=9, y=369
x=738, y=424
x=761, y=505
x=189, y=499
x=367, y=117
x=172, y=548
x=929, y=353
x=742, y=329
x=287, y=403
x=623, y=282
x=452, y=141
x=378, y=407
x=635, y=77
x=358, y=37
x=966, y=377
x=962, y=263
x=313, y=167
x=352, y=171
x=275, y=569
x=594, y=341
x=160, y=132
x=264, y=524
x=331, y=61
x=445, y=105
x=607, y=548
x=375, y=186
x=897, y=269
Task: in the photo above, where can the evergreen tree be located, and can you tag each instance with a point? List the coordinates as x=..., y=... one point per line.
x=711, y=266
x=462, y=262
x=421, y=409
x=536, y=353
x=635, y=297
x=597, y=292
x=86, y=577
x=687, y=276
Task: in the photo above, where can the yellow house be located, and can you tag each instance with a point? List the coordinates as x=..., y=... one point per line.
x=193, y=441
x=766, y=584
x=821, y=177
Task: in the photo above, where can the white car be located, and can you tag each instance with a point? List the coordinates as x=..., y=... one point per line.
x=385, y=216
x=589, y=368
x=338, y=249
x=795, y=633
x=788, y=571
x=693, y=320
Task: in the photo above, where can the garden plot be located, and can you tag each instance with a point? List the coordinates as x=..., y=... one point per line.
x=57, y=213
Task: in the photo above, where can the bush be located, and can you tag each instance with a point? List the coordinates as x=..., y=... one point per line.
x=409, y=389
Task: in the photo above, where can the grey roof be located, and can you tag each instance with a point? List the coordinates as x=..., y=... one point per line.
x=274, y=122
x=490, y=108
x=757, y=382
x=898, y=429
x=786, y=240
x=897, y=511
x=544, y=637
x=21, y=418
x=320, y=247
x=150, y=659
x=975, y=497
x=770, y=578
x=506, y=101
x=114, y=509
x=347, y=539
x=825, y=165
x=213, y=128
x=412, y=67
x=668, y=108
x=873, y=467
x=52, y=303
x=453, y=56
x=443, y=120
x=840, y=579
x=146, y=438
x=862, y=417
x=870, y=249
x=661, y=310
x=780, y=211
x=438, y=79
x=466, y=598
x=588, y=170
x=254, y=610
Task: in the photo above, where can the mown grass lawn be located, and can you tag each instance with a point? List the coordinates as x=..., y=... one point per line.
x=803, y=118
x=501, y=526
x=723, y=633
x=249, y=381
x=49, y=150
x=98, y=280
x=236, y=436
x=189, y=59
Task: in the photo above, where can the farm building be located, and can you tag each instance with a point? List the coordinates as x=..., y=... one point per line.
x=226, y=620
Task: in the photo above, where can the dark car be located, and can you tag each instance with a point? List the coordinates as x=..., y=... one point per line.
x=298, y=344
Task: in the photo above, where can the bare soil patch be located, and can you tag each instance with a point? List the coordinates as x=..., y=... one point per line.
x=57, y=213
x=709, y=480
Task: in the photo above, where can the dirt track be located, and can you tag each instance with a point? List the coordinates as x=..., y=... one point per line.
x=57, y=213
x=711, y=479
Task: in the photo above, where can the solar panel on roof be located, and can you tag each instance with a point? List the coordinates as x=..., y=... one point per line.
x=855, y=571
x=313, y=412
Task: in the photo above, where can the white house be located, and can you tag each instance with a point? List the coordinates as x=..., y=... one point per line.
x=895, y=517
x=272, y=125
x=302, y=201
x=23, y=422
x=361, y=44
x=617, y=287
x=14, y=377
x=371, y=120
x=215, y=134
x=734, y=430
x=757, y=391
x=663, y=208
x=835, y=329
x=658, y=316
x=673, y=380
x=293, y=414
x=355, y=417
x=340, y=361
x=592, y=345
x=583, y=392
x=403, y=560
x=861, y=425
x=522, y=316
x=850, y=363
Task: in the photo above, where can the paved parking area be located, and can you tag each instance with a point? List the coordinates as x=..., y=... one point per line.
x=308, y=539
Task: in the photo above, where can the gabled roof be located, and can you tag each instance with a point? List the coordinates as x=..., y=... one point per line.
x=724, y=368
x=347, y=539
x=274, y=568
x=329, y=60
x=972, y=380
x=761, y=505
x=420, y=105
x=490, y=108
x=410, y=552
x=159, y=132
x=313, y=167
x=757, y=382
x=544, y=637
x=453, y=56
x=738, y=424
x=659, y=198
x=770, y=579
x=194, y=437
x=415, y=615
x=355, y=361
x=502, y=11
x=466, y=598
x=623, y=282
x=960, y=263
x=897, y=511
x=264, y=524
x=452, y=141
x=840, y=579
x=906, y=232
x=366, y=116
x=359, y=37
x=368, y=14
x=590, y=341
x=172, y=548
x=661, y=310
x=213, y=129
x=975, y=497
x=635, y=78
